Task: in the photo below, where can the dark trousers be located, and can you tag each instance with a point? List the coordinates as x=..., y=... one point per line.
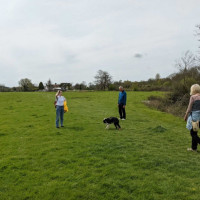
x=59, y=115
x=122, y=112
x=195, y=139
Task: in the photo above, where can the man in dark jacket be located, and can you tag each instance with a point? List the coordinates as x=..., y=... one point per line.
x=122, y=103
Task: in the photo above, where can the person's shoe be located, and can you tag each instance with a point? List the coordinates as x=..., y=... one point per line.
x=62, y=126
x=57, y=127
x=123, y=119
x=190, y=149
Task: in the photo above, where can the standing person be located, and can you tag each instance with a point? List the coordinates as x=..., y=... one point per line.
x=193, y=115
x=59, y=108
x=122, y=103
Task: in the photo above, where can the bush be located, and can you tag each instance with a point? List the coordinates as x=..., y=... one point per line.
x=165, y=104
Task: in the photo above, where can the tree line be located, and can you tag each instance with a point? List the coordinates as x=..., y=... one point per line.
x=103, y=81
x=188, y=73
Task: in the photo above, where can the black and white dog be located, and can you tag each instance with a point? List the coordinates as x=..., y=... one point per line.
x=111, y=120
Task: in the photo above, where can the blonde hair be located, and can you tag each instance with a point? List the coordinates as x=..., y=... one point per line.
x=194, y=89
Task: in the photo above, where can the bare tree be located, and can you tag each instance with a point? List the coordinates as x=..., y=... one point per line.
x=49, y=85
x=185, y=65
x=187, y=61
x=103, y=79
x=26, y=84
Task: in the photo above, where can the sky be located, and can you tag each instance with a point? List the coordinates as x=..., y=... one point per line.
x=70, y=40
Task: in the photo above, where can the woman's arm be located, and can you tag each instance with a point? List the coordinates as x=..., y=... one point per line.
x=57, y=93
x=189, y=109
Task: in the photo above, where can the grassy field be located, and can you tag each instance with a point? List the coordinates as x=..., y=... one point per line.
x=146, y=160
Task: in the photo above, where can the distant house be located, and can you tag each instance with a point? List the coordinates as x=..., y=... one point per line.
x=57, y=88
x=61, y=86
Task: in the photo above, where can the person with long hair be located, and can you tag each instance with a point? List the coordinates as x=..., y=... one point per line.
x=193, y=115
x=59, y=108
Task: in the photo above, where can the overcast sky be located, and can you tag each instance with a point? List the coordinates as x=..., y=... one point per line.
x=70, y=40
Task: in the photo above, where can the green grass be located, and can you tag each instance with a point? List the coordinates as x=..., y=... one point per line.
x=146, y=160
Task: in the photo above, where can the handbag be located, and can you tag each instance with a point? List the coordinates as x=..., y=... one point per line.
x=55, y=103
x=195, y=126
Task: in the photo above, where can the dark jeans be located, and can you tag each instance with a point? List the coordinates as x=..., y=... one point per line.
x=195, y=139
x=59, y=115
x=122, y=112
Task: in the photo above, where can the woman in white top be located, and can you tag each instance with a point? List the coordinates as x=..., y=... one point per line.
x=59, y=108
